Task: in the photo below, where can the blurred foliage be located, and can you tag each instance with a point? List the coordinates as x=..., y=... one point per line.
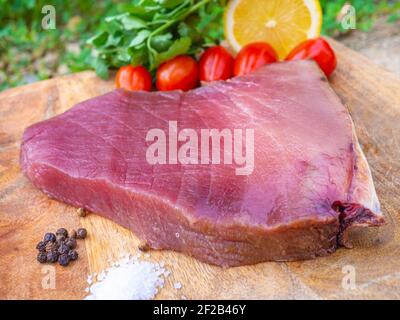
x=366, y=10
x=29, y=53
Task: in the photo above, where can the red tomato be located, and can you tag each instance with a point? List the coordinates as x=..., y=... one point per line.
x=216, y=63
x=133, y=78
x=179, y=73
x=318, y=50
x=254, y=56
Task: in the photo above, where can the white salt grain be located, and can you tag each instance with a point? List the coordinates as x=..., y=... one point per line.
x=130, y=280
x=177, y=285
x=101, y=276
x=166, y=273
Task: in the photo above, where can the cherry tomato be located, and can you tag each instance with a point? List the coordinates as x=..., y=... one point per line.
x=318, y=50
x=133, y=78
x=216, y=63
x=179, y=73
x=253, y=56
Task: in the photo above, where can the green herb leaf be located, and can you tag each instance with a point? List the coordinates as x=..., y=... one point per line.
x=144, y=12
x=101, y=68
x=169, y=3
x=161, y=42
x=123, y=57
x=130, y=23
x=113, y=40
x=140, y=38
x=117, y=17
x=98, y=40
x=138, y=56
x=180, y=46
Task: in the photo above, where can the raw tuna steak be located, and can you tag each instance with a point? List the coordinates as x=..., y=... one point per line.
x=309, y=185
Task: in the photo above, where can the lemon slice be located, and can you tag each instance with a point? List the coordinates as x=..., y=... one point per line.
x=282, y=23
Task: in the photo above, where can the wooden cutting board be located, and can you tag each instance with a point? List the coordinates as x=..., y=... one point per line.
x=373, y=97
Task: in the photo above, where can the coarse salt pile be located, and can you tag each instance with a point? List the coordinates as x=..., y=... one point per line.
x=128, y=279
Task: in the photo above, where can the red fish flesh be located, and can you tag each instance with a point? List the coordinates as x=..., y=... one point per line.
x=309, y=185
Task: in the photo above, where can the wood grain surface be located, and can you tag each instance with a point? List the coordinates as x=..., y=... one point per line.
x=371, y=94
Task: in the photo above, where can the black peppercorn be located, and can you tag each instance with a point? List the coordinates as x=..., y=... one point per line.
x=62, y=232
x=144, y=246
x=82, y=212
x=42, y=257
x=81, y=233
x=63, y=249
x=71, y=243
x=72, y=234
x=63, y=259
x=60, y=238
x=49, y=237
x=51, y=246
x=73, y=255
x=52, y=256
x=41, y=246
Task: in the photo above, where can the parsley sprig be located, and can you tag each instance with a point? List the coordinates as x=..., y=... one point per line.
x=149, y=32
